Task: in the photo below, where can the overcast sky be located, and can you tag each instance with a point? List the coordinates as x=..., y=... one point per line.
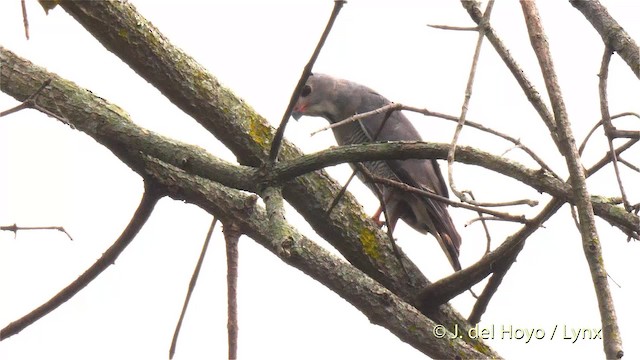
x=54, y=175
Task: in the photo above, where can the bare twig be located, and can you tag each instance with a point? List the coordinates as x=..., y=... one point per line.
x=609, y=129
x=590, y=240
x=629, y=165
x=607, y=157
x=361, y=116
x=487, y=218
x=457, y=28
x=408, y=188
x=232, y=234
x=25, y=20
x=144, y=210
x=340, y=194
x=528, y=202
x=28, y=102
x=482, y=218
x=277, y=138
x=484, y=23
x=600, y=123
x=192, y=285
x=426, y=112
x=15, y=228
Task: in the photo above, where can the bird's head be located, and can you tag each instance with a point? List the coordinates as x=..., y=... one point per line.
x=318, y=98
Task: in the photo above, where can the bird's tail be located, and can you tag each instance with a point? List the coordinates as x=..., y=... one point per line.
x=448, y=244
x=445, y=232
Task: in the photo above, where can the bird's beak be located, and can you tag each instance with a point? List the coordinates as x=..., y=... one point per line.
x=298, y=111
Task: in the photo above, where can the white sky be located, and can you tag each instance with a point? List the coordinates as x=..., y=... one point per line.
x=53, y=175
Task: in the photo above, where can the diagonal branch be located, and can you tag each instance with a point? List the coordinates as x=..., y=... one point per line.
x=484, y=24
x=277, y=138
x=613, y=35
x=590, y=240
x=609, y=129
x=192, y=285
x=150, y=197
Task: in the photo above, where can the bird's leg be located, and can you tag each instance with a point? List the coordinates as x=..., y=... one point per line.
x=376, y=217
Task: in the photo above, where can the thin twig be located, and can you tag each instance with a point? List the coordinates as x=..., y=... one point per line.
x=488, y=218
x=15, y=228
x=144, y=210
x=457, y=28
x=408, y=188
x=277, y=138
x=598, y=124
x=629, y=165
x=341, y=192
x=192, y=285
x=360, y=116
x=465, y=105
x=232, y=234
x=28, y=102
x=607, y=157
x=528, y=202
x=426, y=112
x=609, y=129
x=481, y=217
x=25, y=20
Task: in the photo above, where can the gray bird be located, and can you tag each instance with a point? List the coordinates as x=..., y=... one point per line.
x=337, y=99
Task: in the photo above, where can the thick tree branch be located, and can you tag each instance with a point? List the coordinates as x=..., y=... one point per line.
x=381, y=306
x=612, y=34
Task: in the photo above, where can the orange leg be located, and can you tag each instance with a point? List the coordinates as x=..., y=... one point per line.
x=376, y=217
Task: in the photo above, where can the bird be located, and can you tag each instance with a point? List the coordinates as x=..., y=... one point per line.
x=337, y=99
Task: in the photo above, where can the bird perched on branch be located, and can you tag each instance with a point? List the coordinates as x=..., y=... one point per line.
x=337, y=99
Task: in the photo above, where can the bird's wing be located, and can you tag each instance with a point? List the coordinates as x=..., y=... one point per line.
x=424, y=174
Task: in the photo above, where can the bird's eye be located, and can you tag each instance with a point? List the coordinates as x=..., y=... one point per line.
x=306, y=90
